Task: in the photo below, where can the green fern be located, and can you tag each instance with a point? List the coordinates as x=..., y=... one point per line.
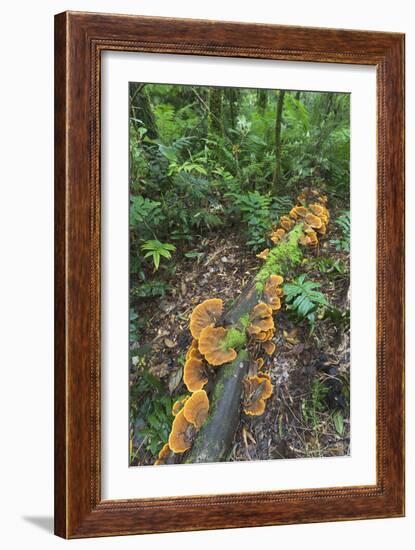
x=343, y=221
x=303, y=298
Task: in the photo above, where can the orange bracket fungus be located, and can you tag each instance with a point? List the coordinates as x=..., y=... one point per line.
x=298, y=212
x=261, y=319
x=182, y=433
x=263, y=255
x=322, y=230
x=277, y=235
x=194, y=374
x=257, y=389
x=204, y=315
x=313, y=221
x=193, y=350
x=212, y=344
x=163, y=455
x=196, y=408
x=268, y=347
x=286, y=223
x=273, y=292
x=320, y=211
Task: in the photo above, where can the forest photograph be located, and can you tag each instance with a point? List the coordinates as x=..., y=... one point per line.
x=239, y=240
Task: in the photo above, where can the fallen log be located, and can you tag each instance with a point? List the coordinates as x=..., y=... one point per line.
x=228, y=338
x=213, y=442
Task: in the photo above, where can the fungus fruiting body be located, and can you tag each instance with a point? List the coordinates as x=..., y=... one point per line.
x=273, y=292
x=275, y=280
x=212, y=344
x=263, y=255
x=182, y=433
x=304, y=240
x=257, y=389
x=196, y=408
x=277, y=235
x=261, y=320
x=318, y=210
x=263, y=336
x=268, y=347
x=286, y=222
x=193, y=350
x=322, y=230
x=204, y=315
x=298, y=212
x=194, y=374
x=163, y=455
x=313, y=221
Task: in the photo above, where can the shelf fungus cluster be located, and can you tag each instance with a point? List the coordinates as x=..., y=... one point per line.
x=257, y=389
x=209, y=348
x=216, y=342
x=189, y=416
x=311, y=211
x=314, y=218
x=257, y=386
x=261, y=327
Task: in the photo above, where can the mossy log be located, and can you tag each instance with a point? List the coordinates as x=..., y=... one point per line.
x=214, y=441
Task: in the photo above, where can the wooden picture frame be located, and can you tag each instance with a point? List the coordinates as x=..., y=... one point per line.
x=79, y=40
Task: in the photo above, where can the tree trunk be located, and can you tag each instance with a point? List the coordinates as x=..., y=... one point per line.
x=232, y=97
x=278, y=120
x=140, y=108
x=262, y=99
x=213, y=442
x=215, y=112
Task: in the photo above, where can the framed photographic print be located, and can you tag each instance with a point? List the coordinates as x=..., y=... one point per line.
x=229, y=214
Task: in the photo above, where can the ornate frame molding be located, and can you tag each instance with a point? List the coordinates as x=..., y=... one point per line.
x=79, y=40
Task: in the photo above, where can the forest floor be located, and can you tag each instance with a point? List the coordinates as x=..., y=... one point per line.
x=309, y=372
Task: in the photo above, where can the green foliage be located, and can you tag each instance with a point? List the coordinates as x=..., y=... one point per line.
x=156, y=250
x=280, y=206
x=194, y=254
x=202, y=163
x=343, y=221
x=133, y=326
x=303, y=298
x=152, y=405
x=333, y=267
x=316, y=138
x=253, y=209
x=315, y=404
x=145, y=211
x=338, y=422
x=340, y=318
x=150, y=289
x=285, y=255
x=200, y=160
